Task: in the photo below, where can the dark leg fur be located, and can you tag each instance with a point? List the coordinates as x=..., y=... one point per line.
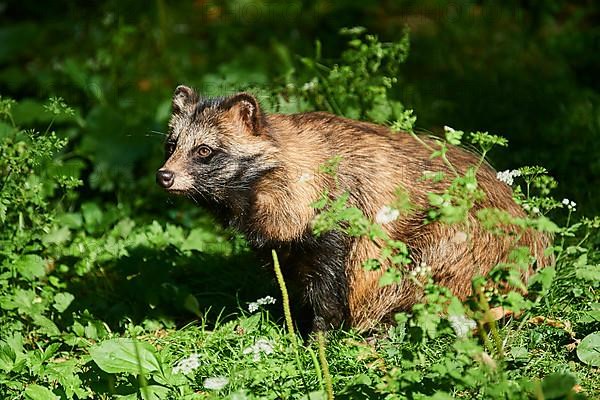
x=318, y=274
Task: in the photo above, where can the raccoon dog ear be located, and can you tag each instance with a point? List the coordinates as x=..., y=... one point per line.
x=183, y=97
x=246, y=109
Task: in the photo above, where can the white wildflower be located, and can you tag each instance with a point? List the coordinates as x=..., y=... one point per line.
x=535, y=210
x=310, y=85
x=448, y=129
x=461, y=325
x=187, y=365
x=254, y=306
x=571, y=205
x=215, y=383
x=262, y=346
x=386, y=215
x=508, y=176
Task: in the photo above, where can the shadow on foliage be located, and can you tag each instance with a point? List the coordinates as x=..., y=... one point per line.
x=152, y=286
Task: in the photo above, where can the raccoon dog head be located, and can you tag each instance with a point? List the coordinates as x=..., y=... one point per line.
x=216, y=148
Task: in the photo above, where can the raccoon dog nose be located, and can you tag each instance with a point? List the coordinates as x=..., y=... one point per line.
x=165, y=178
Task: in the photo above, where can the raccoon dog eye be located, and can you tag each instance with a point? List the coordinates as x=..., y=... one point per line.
x=170, y=147
x=204, y=151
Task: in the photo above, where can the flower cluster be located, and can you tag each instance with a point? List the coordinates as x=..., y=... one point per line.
x=421, y=270
x=187, y=365
x=255, y=305
x=261, y=346
x=534, y=209
x=386, y=215
x=571, y=205
x=508, y=176
x=215, y=383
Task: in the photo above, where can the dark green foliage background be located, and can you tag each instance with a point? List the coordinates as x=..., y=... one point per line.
x=527, y=71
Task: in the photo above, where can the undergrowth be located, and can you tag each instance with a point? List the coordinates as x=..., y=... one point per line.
x=100, y=301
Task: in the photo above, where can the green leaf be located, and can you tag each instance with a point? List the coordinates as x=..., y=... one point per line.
x=57, y=235
x=125, y=355
x=92, y=214
x=544, y=277
x=62, y=301
x=37, y=392
x=557, y=385
x=31, y=266
x=46, y=325
x=588, y=272
x=7, y=358
x=154, y=392
x=588, y=350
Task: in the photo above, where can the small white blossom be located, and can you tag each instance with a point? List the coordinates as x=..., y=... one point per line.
x=254, y=306
x=187, y=365
x=461, y=325
x=571, y=205
x=216, y=383
x=310, y=85
x=448, y=129
x=421, y=270
x=535, y=210
x=386, y=215
x=261, y=346
x=508, y=176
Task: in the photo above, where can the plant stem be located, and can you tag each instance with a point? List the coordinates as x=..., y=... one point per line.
x=325, y=365
x=317, y=365
x=284, y=298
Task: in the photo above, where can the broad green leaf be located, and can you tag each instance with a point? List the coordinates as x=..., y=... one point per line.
x=46, y=325
x=62, y=301
x=31, y=266
x=7, y=358
x=154, y=392
x=37, y=392
x=588, y=350
x=557, y=385
x=92, y=214
x=125, y=355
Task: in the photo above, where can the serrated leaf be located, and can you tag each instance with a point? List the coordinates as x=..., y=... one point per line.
x=7, y=358
x=125, y=355
x=588, y=350
x=31, y=266
x=46, y=325
x=588, y=273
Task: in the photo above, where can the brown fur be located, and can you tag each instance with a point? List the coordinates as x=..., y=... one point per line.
x=275, y=210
